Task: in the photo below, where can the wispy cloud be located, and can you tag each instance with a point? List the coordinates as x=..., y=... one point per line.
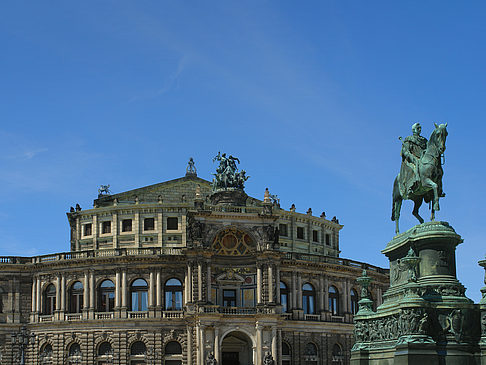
x=170, y=83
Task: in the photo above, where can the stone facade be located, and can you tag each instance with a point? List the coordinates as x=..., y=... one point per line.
x=160, y=275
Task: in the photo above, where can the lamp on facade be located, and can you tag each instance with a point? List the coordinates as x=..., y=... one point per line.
x=22, y=339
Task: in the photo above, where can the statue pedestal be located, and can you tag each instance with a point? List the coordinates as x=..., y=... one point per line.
x=229, y=197
x=425, y=317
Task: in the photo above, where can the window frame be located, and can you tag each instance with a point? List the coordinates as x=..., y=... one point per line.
x=106, y=297
x=141, y=294
x=76, y=298
x=333, y=300
x=124, y=225
x=174, y=300
x=309, y=299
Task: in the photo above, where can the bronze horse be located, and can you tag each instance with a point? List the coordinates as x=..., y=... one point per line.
x=430, y=173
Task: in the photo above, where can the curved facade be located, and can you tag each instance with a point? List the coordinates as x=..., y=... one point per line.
x=167, y=275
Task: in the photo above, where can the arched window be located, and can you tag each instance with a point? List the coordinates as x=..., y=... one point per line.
x=106, y=296
x=337, y=355
x=173, y=294
x=354, y=301
x=76, y=297
x=308, y=298
x=173, y=353
x=105, y=354
x=138, y=353
x=50, y=299
x=138, y=295
x=46, y=354
x=284, y=297
x=333, y=300
x=311, y=356
x=74, y=353
x=286, y=354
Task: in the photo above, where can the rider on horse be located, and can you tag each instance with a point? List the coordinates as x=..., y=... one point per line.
x=412, y=149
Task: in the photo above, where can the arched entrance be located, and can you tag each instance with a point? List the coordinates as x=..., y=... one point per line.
x=236, y=349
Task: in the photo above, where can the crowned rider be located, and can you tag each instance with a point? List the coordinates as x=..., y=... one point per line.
x=412, y=149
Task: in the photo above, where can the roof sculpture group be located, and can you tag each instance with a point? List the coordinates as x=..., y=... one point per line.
x=420, y=176
x=227, y=176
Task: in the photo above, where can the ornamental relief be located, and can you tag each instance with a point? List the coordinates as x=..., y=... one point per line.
x=233, y=242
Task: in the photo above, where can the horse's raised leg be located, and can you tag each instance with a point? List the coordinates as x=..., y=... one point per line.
x=429, y=183
x=416, y=205
x=432, y=213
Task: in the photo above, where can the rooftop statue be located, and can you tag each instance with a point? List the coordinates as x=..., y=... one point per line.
x=191, y=167
x=227, y=176
x=420, y=177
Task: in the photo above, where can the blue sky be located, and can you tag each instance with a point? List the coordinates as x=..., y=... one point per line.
x=311, y=96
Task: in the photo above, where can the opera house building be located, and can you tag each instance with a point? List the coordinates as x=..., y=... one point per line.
x=186, y=271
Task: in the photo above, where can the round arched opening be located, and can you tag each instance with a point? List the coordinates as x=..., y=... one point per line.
x=236, y=349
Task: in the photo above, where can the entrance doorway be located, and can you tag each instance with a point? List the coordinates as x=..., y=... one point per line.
x=236, y=349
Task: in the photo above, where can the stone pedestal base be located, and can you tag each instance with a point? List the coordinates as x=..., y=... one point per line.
x=229, y=197
x=425, y=317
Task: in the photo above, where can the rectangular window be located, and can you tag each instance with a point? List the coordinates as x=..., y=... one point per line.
x=315, y=236
x=87, y=229
x=229, y=298
x=282, y=230
x=106, y=227
x=172, y=223
x=328, y=239
x=149, y=224
x=300, y=233
x=126, y=225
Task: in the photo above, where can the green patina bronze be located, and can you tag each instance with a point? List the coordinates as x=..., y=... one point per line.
x=227, y=176
x=420, y=176
x=425, y=316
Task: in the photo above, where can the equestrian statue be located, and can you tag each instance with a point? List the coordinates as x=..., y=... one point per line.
x=420, y=176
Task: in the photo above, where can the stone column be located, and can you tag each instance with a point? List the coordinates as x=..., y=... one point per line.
x=259, y=283
x=151, y=289
x=216, y=345
x=199, y=281
x=198, y=342
x=299, y=290
x=202, y=340
x=293, y=286
x=326, y=294
x=117, y=290
x=91, y=291
x=270, y=283
x=94, y=230
x=346, y=296
x=136, y=223
x=277, y=285
x=258, y=344
x=58, y=292
x=159, y=290
x=34, y=291
x=321, y=293
x=124, y=290
x=189, y=345
x=159, y=228
x=86, y=292
x=63, y=293
x=274, y=343
x=38, y=296
x=189, y=283
x=208, y=283
x=114, y=229
x=78, y=233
